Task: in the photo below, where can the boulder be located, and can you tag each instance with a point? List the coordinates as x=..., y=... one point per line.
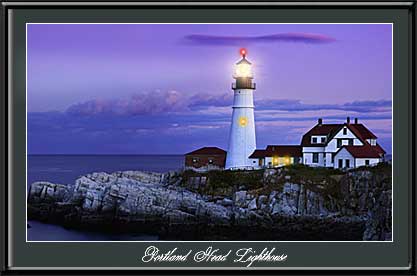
x=240, y=198
x=252, y=204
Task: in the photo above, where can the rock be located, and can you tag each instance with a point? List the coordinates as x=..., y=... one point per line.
x=227, y=202
x=240, y=198
x=262, y=199
x=158, y=201
x=144, y=177
x=45, y=191
x=272, y=196
x=252, y=204
x=276, y=209
x=129, y=196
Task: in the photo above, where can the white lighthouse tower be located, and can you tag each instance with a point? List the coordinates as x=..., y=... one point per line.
x=242, y=140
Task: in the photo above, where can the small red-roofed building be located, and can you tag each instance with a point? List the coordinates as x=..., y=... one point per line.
x=276, y=156
x=206, y=158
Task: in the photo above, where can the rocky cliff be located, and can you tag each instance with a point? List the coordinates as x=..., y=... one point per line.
x=292, y=203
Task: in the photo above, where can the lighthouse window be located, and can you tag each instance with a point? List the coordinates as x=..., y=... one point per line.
x=243, y=121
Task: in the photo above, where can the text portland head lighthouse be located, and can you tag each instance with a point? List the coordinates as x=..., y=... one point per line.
x=242, y=139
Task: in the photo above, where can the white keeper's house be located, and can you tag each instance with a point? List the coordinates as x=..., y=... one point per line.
x=347, y=145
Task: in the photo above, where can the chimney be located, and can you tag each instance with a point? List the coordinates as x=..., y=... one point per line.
x=356, y=121
x=320, y=121
x=348, y=120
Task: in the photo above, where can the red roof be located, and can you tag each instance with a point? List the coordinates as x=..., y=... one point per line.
x=207, y=151
x=379, y=149
x=366, y=151
x=259, y=154
x=330, y=130
x=320, y=129
x=361, y=130
x=278, y=150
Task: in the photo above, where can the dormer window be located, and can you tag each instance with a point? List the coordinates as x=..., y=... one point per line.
x=323, y=140
x=344, y=131
x=314, y=140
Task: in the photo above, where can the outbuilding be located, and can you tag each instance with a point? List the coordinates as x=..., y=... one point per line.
x=276, y=156
x=356, y=156
x=206, y=158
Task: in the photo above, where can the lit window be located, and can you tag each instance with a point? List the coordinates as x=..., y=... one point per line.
x=287, y=161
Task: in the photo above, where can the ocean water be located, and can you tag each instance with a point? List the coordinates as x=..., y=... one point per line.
x=65, y=169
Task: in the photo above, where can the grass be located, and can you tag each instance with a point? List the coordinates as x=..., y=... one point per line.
x=383, y=168
x=224, y=182
x=326, y=181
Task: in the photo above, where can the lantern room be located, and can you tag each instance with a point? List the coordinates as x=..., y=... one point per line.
x=243, y=73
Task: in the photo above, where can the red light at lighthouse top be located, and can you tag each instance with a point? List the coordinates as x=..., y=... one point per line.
x=243, y=52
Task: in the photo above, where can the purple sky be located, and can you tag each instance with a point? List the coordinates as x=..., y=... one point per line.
x=165, y=89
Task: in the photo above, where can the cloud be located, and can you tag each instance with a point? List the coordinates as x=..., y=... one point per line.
x=152, y=103
x=156, y=102
x=205, y=100
x=297, y=105
x=214, y=40
x=111, y=128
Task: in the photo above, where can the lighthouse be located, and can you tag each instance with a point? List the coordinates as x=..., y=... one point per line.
x=242, y=139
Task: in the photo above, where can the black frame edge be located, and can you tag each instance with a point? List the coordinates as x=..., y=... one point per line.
x=413, y=96
x=3, y=147
x=4, y=127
